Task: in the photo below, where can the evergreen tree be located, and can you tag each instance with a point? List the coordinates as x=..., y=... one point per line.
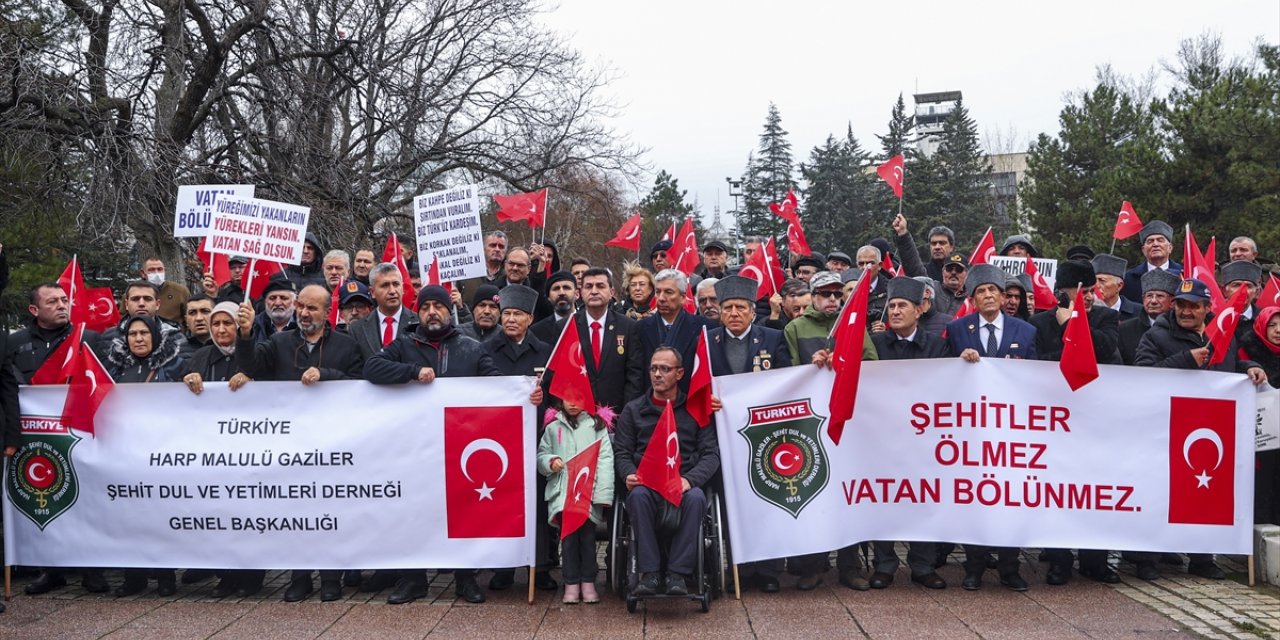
x=963, y=186
x=835, y=210
x=767, y=179
x=664, y=204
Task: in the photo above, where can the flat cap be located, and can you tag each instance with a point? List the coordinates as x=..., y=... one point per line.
x=982, y=274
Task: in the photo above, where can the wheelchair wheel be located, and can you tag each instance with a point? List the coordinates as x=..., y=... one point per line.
x=717, y=553
x=706, y=602
x=618, y=553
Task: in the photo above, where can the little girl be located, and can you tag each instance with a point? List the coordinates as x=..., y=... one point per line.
x=572, y=431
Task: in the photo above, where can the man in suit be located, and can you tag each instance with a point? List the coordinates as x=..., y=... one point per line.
x=671, y=326
x=1157, y=248
x=562, y=293
x=390, y=319
x=992, y=334
x=1234, y=275
x=1110, y=274
x=607, y=339
x=1158, y=288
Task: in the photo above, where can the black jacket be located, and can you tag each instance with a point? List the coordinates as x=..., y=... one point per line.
x=11, y=433
x=1131, y=332
x=211, y=364
x=163, y=364
x=517, y=359
x=285, y=356
x=924, y=345
x=699, y=453
x=766, y=349
x=28, y=348
x=310, y=272
x=548, y=329
x=1169, y=346
x=455, y=356
x=617, y=378
x=469, y=330
x=1104, y=325
x=368, y=332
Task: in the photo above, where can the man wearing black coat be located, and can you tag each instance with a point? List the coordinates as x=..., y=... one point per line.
x=616, y=378
x=561, y=292
x=671, y=326
x=435, y=349
x=1158, y=289
x=699, y=461
x=390, y=318
x=311, y=353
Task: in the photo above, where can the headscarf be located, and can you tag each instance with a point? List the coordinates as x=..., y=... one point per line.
x=1260, y=327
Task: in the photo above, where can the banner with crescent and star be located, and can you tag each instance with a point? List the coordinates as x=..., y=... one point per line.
x=338, y=475
x=998, y=453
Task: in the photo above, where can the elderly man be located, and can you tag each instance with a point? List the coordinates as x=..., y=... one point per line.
x=1158, y=289
x=171, y=294
x=790, y=301
x=838, y=261
x=311, y=353
x=707, y=301
x=1243, y=248
x=699, y=461
x=715, y=258
x=942, y=243
x=390, y=319
x=931, y=320
x=992, y=334
x=336, y=268
x=1178, y=341
x=805, y=266
x=363, y=265
x=869, y=261
x=561, y=291
x=660, y=256
x=1110, y=270
x=1157, y=247
x=434, y=349
x=278, y=301
x=955, y=271
x=671, y=326
x=1234, y=275
x=484, y=314
x=495, y=253
x=355, y=303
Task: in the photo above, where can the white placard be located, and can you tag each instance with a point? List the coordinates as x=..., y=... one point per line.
x=194, y=210
x=259, y=229
x=447, y=224
x=1267, y=428
x=1015, y=266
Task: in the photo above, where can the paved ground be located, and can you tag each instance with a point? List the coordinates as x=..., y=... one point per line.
x=1178, y=606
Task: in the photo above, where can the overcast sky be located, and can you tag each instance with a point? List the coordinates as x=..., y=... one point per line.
x=697, y=76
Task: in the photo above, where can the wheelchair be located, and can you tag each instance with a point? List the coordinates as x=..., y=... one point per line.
x=711, y=564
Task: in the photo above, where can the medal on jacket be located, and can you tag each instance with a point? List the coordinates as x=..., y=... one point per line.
x=622, y=341
x=765, y=359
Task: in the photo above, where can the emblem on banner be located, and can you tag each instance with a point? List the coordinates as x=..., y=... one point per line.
x=40, y=478
x=788, y=464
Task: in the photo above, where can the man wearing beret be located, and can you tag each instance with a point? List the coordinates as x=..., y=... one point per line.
x=805, y=266
x=1110, y=273
x=391, y=319
x=660, y=256
x=903, y=340
x=1104, y=329
x=1158, y=289
x=421, y=356
x=484, y=314
x=1234, y=275
x=561, y=292
x=1157, y=248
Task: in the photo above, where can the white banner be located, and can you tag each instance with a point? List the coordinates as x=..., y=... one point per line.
x=1267, y=428
x=259, y=229
x=194, y=208
x=998, y=453
x=1016, y=266
x=448, y=228
x=277, y=475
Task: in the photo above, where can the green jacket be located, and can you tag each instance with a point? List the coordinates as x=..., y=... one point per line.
x=560, y=440
x=807, y=334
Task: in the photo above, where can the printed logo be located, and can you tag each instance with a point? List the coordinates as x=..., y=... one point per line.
x=788, y=463
x=40, y=479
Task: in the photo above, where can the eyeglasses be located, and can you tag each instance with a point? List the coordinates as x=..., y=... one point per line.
x=829, y=294
x=953, y=269
x=661, y=368
x=867, y=263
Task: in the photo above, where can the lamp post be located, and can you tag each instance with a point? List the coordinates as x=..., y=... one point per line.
x=735, y=190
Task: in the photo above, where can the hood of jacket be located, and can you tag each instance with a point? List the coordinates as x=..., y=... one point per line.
x=166, y=341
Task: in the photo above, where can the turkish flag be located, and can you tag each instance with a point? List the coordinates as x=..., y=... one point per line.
x=90, y=385
x=1079, y=364
x=1042, y=292
x=893, y=173
x=983, y=253
x=335, y=309
x=1223, y=328
x=684, y=251
x=529, y=207
x=797, y=244
x=1127, y=222
x=787, y=209
x=967, y=307
x=659, y=468
x=690, y=298
x=698, y=402
x=72, y=283
x=1202, y=461
x=433, y=276
x=61, y=364
x=1197, y=265
x=215, y=264
x=886, y=266
x=628, y=236
x=484, y=472
x=1270, y=296
x=846, y=358
x=570, y=382
x=100, y=310
x=579, y=487
x=762, y=267
x=670, y=235
x=391, y=253
x=254, y=279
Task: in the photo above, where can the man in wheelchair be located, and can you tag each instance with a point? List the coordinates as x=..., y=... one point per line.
x=647, y=509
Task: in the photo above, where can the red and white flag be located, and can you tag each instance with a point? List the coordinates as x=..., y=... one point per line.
x=1041, y=291
x=1270, y=296
x=698, y=402
x=61, y=364
x=1202, y=461
x=433, y=276
x=797, y=244
x=886, y=266
x=255, y=277
x=95, y=307
x=1223, y=328
x=392, y=253
x=1127, y=222
x=684, y=251
x=484, y=472
x=628, y=236
x=530, y=208
x=1197, y=265
x=763, y=267
x=570, y=382
x=214, y=264
x=659, y=468
x=787, y=208
x=893, y=172
x=985, y=250
x=335, y=308
x=670, y=235
x=1079, y=363
x=579, y=488
x=90, y=385
x=846, y=358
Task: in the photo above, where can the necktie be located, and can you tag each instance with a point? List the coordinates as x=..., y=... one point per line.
x=389, y=332
x=595, y=341
x=992, y=345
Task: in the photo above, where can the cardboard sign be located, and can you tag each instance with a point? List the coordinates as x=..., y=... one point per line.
x=261, y=229
x=194, y=210
x=1015, y=266
x=447, y=224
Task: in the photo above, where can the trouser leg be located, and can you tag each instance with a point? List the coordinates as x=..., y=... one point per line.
x=886, y=556
x=642, y=506
x=920, y=557
x=686, y=544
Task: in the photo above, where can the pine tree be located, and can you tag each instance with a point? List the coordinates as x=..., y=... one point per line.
x=834, y=210
x=767, y=179
x=964, y=180
x=664, y=204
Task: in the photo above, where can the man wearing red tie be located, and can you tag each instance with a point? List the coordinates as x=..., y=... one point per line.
x=390, y=319
x=608, y=340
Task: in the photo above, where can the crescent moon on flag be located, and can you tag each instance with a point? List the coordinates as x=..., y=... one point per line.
x=36, y=477
x=1124, y=217
x=634, y=232
x=784, y=466
x=671, y=437
x=1203, y=433
x=483, y=444
x=897, y=173
x=584, y=472
x=1227, y=314
x=575, y=355
x=750, y=271
x=93, y=381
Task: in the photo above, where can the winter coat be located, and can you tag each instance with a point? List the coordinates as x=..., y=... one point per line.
x=1104, y=329
x=285, y=356
x=212, y=364
x=163, y=364
x=28, y=348
x=807, y=334
x=564, y=440
x=699, y=452
x=310, y=272
x=1168, y=345
x=453, y=356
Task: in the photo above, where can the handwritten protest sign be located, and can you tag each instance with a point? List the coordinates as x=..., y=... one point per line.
x=261, y=229
x=448, y=228
x=194, y=209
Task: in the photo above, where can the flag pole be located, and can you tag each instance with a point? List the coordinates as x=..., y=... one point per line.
x=1113, y=237
x=530, y=584
x=8, y=579
x=253, y=263
x=737, y=584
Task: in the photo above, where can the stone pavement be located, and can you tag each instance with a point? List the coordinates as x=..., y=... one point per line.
x=1177, y=606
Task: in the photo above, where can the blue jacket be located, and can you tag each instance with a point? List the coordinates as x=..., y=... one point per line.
x=1018, y=339
x=1133, y=280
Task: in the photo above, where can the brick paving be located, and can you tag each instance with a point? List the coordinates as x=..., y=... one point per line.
x=1177, y=606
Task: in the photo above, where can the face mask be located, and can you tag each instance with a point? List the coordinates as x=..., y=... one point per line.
x=156, y=278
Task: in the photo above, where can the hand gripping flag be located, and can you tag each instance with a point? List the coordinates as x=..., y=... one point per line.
x=580, y=483
x=893, y=172
x=1079, y=363
x=659, y=469
x=628, y=237
x=846, y=358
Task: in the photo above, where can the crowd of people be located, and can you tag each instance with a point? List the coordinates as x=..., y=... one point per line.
x=638, y=340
